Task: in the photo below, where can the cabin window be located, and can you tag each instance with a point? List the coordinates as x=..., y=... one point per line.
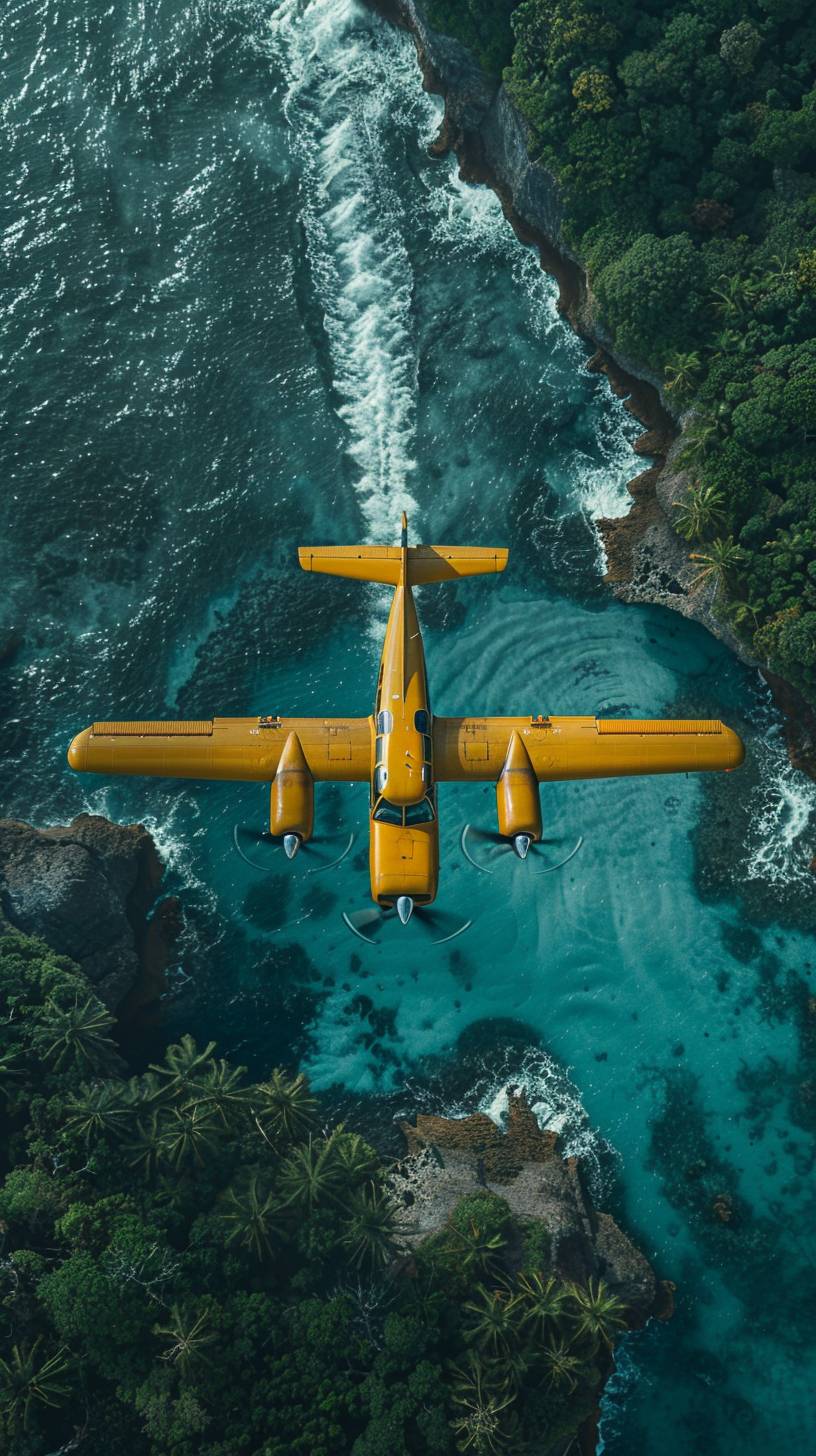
x=379, y=750
x=385, y=721
x=380, y=778
x=422, y=722
x=421, y=813
x=427, y=748
x=388, y=813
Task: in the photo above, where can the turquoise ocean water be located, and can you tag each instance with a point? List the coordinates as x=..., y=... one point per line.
x=242, y=309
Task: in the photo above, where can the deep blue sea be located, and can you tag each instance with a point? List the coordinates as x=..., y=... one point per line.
x=242, y=309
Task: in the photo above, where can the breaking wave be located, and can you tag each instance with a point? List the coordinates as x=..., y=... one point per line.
x=557, y=1104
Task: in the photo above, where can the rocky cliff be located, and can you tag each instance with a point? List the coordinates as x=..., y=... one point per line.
x=450, y=1158
x=647, y=562
x=90, y=889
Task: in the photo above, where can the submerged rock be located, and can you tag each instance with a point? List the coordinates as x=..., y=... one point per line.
x=450, y=1158
x=88, y=888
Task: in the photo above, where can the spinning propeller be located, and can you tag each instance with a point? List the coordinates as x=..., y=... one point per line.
x=423, y=915
x=319, y=848
x=521, y=845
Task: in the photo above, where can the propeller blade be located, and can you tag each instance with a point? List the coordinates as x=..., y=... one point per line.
x=469, y=831
x=359, y=921
x=254, y=837
x=321, y=869
x=561, y=862
x=434, y=920
x=490, y=836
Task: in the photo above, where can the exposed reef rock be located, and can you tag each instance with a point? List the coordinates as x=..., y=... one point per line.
x=449, y=1158
x=88, y=889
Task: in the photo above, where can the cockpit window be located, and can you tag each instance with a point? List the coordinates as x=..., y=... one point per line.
x=388, y=813
x=385, y=721
x=422, y=722
x=421, y=813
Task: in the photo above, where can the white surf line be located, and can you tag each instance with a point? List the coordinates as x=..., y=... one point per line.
x=351, y=80
x=472, y=218
x=782, y=833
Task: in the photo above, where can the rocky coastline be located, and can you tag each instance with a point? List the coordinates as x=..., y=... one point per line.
x=449, y=1159
x=646, y=560
x=91, y=891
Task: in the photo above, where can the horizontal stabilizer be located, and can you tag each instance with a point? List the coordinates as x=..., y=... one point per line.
x=384, y=563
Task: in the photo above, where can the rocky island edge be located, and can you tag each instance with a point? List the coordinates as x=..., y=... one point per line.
x=647, y=562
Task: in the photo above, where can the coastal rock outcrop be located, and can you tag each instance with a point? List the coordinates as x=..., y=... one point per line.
x=450, y=1158
x=90, y=889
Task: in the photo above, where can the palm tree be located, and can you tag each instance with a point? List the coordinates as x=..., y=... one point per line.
x=146, y=1148
x=102, y=1109
x=562, y=1368
x=701, y=509
x=702, y=433
x=598, y=1315
x=311, y=1175
x=76, y=1037
x=494, y=1323
x=285, y=1109
x=254, y=1217
x=481, y=1425
x=353, y=1155
x=183, y=1063
x=473, y=1247
x=716, y=564
x=682, y=373
x=27, y=1379
x=542, y=1302
x=188, y=1134
x=11, y=1071
x=370, y=1232
x=219, y=1087
x=736, y=296
x=189, y=1337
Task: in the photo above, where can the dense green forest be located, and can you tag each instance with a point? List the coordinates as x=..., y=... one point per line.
x=682, y=134
x=193, y=1266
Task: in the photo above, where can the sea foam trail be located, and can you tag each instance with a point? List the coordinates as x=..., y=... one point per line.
x=350, y=81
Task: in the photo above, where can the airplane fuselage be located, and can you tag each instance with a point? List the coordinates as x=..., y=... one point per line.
x=404, y=837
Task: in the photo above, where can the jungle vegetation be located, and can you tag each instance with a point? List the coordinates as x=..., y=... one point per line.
x=192, y=1265
x=682, y=134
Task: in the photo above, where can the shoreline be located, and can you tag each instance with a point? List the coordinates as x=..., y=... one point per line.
x=647, y=563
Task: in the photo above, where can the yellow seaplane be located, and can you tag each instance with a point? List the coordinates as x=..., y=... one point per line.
x=402, y=751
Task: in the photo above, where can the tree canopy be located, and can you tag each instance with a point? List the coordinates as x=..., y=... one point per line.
x=682, y=136
x=196, y=1266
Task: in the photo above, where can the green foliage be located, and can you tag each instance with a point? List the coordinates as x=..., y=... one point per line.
x=700, y=511
x=682, y=139
x=191, y=1268
x=652, y=297
x=482, y=25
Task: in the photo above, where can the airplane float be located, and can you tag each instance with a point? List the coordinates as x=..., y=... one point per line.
x=402, y=751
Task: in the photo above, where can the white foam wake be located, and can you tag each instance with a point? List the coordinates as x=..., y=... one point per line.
x=351, y=80
x=782, y=835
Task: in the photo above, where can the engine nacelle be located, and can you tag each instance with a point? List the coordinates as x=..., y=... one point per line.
x=517, y=801
x=291, y=799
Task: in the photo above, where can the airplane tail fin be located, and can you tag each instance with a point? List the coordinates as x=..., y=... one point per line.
x=416, y=565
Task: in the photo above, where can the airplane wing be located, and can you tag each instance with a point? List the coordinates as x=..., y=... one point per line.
x=225, y=748
x=583, y=748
